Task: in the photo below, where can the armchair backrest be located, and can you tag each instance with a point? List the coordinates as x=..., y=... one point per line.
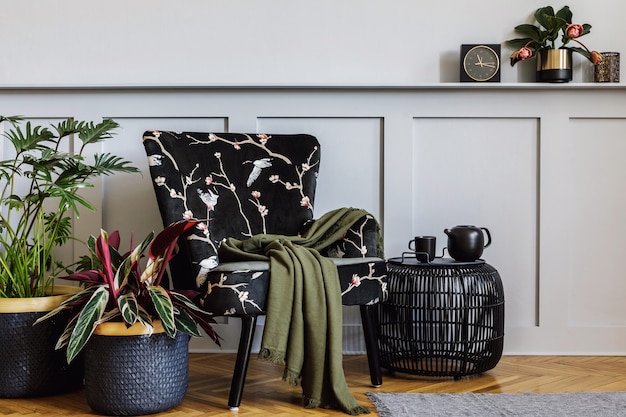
x=238, y=185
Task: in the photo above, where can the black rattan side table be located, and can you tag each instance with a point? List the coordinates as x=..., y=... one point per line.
x=443, y=318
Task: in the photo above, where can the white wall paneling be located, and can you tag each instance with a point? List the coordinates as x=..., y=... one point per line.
x=350, y=154
x=539, y=165
x=596, y=236
x=484, y=172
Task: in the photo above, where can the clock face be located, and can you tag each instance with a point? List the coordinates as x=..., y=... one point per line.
x=481, y=63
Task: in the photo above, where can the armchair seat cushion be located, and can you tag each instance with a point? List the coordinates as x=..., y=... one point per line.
x=240, y=288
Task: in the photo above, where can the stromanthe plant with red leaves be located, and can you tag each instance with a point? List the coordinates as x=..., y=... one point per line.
x=119, y=288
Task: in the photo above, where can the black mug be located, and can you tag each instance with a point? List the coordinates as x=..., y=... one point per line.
x=424, y=247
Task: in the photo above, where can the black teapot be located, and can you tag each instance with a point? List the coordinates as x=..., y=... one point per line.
x=466, y=243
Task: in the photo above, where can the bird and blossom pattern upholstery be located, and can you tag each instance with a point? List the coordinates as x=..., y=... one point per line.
x=240, y=185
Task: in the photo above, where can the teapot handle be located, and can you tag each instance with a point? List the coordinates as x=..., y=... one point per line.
x=488, y=236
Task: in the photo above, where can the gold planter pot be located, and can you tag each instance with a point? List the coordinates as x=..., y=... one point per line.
x=554, y=65
x=38, y=304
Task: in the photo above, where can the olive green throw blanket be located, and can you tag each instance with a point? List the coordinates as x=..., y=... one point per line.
x=303, y=327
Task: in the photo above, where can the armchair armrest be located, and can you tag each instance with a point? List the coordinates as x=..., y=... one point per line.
x=362, y=240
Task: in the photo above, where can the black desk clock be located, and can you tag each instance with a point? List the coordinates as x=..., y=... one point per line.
x=480, y=63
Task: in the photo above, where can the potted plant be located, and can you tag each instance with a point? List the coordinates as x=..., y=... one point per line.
x=40, y=180
x=145, y=371
x=553, y=64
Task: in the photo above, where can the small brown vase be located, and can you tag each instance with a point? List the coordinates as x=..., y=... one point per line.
x=554, y=65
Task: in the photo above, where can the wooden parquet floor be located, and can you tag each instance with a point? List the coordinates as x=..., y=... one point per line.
x=266, y=394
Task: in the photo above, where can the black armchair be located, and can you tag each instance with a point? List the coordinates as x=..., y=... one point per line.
x=243, y=185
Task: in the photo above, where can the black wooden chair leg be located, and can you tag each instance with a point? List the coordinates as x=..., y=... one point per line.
x=368, y=317
x=248, y=324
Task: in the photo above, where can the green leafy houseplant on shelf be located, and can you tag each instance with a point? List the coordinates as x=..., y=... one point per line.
x=551, y=27
x=40, y=180
x=118, y=288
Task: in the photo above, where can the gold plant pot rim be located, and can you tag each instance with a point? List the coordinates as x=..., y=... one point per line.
x=554, y=59
x=116, y=328
x=38, y=304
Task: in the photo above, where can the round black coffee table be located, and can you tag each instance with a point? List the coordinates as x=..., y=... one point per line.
x=443, y=318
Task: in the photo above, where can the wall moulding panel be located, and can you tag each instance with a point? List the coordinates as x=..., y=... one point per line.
x=488, y=178
x=539, y=165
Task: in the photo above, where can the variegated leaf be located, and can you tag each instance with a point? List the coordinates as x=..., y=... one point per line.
x=151, y=271
x=129, y=308
x=146, y=319
x=201, y=317
x=67, y=332
x=85, y=324
x=183, y=300
x=121, y=275
x=108, y=316
x=125, y=268
x=65, y=304
x=138, y=251
x=186, y=324
x=165, y=309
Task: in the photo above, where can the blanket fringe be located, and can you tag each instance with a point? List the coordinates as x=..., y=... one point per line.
x=277, y=357
x=291, y=377
x=311, y=403
x=354, y=411
x=272, y=356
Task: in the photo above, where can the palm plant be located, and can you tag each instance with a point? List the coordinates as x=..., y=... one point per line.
x=118, y=288
x=39, y=191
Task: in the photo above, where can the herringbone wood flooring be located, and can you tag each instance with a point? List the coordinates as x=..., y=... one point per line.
x=266, y=394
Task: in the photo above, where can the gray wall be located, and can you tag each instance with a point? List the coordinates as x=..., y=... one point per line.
x=254, y=42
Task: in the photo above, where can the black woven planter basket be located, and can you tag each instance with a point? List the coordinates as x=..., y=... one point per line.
x=443, y=319
x=29, y=364
x=136, y=375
